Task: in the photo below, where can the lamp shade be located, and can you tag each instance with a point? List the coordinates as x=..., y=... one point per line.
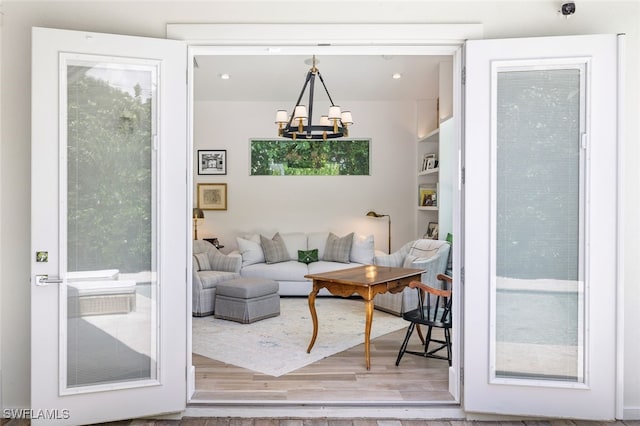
x=346, y=118
x=198, y=213
x=282, y=116
x=371, y=213
x=324, y=121
x=300, y=112
x=334, y=112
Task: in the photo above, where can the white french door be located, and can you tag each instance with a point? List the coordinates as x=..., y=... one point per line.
x=109, y=231
x=541, y=209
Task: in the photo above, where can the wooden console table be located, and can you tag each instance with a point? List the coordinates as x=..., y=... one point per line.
x=366, y=281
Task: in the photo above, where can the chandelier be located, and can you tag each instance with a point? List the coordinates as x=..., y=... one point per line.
x=333, y=125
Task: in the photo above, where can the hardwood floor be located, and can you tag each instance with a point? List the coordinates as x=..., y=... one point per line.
x=341, y=377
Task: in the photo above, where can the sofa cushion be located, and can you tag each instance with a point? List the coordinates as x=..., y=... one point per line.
x=201, y=262
x=211, y=279
x=322, y=267
x=250, y=249
x=308, y=256
x=275, y=251
x=317, y=240
x=338, y=249
x=362, y=249
x=291, y=270
x=295, y=241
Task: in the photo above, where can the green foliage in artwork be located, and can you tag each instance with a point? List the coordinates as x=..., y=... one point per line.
x=109, y=176
x=309, y=158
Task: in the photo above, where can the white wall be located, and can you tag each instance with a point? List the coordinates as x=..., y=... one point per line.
x=311, y=203
x=147, y=18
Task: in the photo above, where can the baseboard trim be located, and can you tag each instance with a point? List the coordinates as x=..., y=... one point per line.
x=191, y=382
x=631, y=413
x=309, y=412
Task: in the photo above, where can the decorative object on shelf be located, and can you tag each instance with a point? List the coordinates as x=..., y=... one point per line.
x=333, y=125
x=371, y=213
x=428, y=162
x=198, y=214
x=432, y=231
x=212, y=196
x=212, y=162
x=214, y=242
x=428, y=195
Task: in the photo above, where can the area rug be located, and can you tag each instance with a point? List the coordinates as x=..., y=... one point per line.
x=278, y=345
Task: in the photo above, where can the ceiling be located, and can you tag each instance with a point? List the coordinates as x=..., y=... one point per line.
x=349, y=78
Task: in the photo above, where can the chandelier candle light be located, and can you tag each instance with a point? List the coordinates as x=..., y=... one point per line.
x=331, y=126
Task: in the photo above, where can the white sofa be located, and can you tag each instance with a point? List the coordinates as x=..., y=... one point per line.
x=288, y=271
x=211, y=267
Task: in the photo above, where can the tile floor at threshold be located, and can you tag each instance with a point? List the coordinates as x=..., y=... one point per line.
x=231, y=421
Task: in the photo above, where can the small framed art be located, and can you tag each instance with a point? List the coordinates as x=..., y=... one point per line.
x=212, y=162
x=432, y=231
x=212, y=196
x=428, y=162
x=428, y=195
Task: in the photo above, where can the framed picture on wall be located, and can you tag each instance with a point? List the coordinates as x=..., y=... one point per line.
x=212, y=196
x=212, y=162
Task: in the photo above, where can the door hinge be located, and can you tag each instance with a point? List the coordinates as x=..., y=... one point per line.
x=462, y=375
x=462, y=276
x=463, y=77
x=462, y=176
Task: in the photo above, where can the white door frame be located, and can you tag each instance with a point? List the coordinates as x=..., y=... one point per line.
x=337, y=39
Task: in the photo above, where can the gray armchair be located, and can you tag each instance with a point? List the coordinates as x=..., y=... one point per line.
x=429, y=255
x=210, y=267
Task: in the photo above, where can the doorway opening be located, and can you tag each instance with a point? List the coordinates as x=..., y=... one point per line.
x=216, y=104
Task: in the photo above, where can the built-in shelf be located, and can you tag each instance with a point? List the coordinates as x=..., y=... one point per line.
x=428, y=208
x=428, y=172
x=431, y=136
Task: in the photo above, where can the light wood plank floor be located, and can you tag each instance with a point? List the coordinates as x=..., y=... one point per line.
x=341, y=377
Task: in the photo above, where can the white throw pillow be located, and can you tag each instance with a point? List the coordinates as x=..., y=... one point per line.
x=250, y=249
x=362, y=249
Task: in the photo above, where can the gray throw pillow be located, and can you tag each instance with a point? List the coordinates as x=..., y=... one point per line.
x=338, y=249
x=275, y=250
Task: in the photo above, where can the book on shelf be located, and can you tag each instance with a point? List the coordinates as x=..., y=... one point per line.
x=428, y=195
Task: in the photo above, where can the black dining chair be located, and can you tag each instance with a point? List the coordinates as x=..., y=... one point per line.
x=434, y=312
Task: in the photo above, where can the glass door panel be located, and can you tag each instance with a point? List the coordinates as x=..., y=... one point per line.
x=109, y=254
x=538, y=289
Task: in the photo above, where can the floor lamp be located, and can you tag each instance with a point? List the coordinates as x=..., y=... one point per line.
x=371, y=213
x=197, y=215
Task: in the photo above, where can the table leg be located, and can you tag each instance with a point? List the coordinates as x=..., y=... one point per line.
x=314, y=316
x=368, y=306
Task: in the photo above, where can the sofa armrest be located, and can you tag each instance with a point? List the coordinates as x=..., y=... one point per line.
x=432, y=268
x=196, y=282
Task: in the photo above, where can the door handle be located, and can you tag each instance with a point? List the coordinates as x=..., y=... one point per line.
x=42, y=280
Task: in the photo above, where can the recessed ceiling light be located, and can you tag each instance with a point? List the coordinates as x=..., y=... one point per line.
x=224, y=76
x=396, y=76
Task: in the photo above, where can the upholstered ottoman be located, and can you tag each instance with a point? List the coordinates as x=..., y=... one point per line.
x=247, y=300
